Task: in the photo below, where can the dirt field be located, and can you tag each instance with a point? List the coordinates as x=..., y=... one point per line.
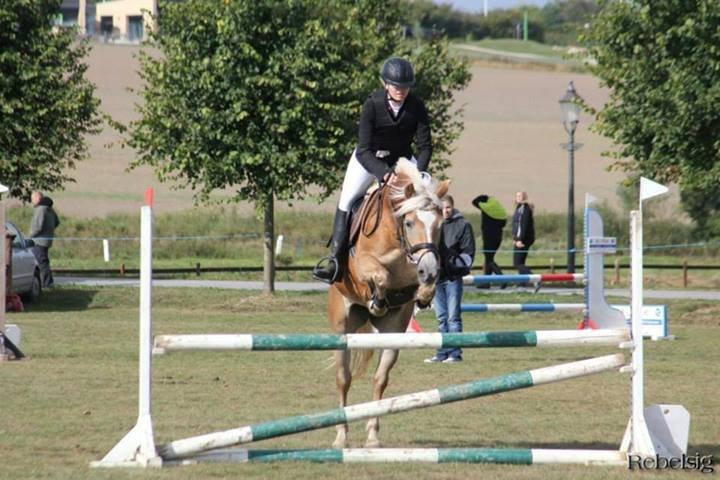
x=511, y=141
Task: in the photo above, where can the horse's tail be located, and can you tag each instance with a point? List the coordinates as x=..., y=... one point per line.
x=360, y=359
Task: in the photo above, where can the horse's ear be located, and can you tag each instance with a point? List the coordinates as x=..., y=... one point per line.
x=443, y=188
x=409, y=190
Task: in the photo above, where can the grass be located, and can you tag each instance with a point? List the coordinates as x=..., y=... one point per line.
x=547, y=57
x=519, y=46
x=76, y=394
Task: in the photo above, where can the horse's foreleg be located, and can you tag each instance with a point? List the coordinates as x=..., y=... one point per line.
x=375, y=274
x=342, y=381
x=380, y=382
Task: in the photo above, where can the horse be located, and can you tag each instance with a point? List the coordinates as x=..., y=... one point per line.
x=392, y=267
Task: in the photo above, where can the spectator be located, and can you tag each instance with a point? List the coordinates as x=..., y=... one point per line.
x=457, y=250
x=42, y=231
x=492, y=221
x=523, y=232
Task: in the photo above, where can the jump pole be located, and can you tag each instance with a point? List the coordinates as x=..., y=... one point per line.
x=522, y=307
x=528, y=278
x=439, y=396
x=394, y=341
x=513, y=456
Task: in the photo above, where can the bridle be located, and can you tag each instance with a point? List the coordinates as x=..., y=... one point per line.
x=412, y=250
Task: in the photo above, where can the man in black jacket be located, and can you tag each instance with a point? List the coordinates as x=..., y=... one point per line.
x=42, y=231
x=392, y=118
x=457, y=251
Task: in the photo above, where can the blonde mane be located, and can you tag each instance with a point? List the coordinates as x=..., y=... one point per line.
x=425, y=197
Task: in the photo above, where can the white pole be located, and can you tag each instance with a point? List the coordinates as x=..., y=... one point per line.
x=278, y=245
x=641, y=442
x=145, y=386
x=106, y=250
x=3, y=287
x=137, y=447
x=485, y=8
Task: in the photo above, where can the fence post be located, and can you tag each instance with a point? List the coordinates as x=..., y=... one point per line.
x=122, y=269
x=685, y=273
x=616, y=281
x=197, y=269
x=552, y=265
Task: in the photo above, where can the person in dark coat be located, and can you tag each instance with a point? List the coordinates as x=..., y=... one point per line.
x=493, y=218
x=42, y=231
x=523, y=232
x=392, y=120
x=457, y=251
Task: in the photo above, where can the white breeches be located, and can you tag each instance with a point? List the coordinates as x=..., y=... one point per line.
x=357, y=181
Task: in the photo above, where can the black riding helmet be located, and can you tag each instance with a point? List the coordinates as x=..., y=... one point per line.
x=398, y=71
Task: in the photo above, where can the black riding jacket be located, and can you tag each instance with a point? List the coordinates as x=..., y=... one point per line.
x=379, y=131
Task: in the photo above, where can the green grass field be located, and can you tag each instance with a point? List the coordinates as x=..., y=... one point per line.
x=75, y=395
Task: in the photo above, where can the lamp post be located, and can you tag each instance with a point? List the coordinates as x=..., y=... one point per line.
x=571, y=116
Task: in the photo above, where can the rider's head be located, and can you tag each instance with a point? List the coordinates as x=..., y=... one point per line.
x=398, y=76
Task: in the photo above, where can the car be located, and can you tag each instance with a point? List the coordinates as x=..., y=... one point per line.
x=26, y=280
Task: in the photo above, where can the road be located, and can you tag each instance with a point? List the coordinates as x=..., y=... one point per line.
x=711, y=295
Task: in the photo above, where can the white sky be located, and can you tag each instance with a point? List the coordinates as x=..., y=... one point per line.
x=477, y=5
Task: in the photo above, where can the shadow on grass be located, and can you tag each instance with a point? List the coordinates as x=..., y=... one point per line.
x=63, y=300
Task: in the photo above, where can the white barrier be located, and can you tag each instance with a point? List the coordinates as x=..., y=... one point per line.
x=646, y=435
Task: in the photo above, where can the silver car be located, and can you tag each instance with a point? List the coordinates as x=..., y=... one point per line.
x=26, y=280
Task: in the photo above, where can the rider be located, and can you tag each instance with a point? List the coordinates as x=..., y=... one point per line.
x=391, y=118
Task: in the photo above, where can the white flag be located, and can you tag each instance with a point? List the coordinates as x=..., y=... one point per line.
x=649, y=189
x=3, y=189
x=590, y=200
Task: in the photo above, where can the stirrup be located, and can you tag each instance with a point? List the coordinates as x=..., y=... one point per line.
x=321, y=272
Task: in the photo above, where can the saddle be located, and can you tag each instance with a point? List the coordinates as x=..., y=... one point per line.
x=365, y=215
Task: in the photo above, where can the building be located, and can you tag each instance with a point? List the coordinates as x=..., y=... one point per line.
x=111, y=20
x=129, y=20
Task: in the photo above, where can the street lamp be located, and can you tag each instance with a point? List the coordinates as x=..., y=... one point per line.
x=569, y=103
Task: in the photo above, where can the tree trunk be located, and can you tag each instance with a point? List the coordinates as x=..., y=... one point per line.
x=268, y=241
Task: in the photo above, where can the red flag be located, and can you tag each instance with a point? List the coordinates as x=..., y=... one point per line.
x=413, y=326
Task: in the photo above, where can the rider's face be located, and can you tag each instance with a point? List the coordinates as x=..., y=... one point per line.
x=396, y=93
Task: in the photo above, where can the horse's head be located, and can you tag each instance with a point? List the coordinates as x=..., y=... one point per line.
x=419, y=210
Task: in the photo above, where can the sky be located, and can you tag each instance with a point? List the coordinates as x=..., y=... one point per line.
x=477, y=5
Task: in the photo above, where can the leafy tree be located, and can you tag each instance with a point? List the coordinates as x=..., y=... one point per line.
x=660, y=59
x=263, y=97
x=46, y=103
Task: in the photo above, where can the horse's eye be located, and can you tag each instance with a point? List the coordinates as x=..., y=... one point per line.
x=409, y=223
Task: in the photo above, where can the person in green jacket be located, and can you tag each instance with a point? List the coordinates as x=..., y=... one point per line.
x=493, y=220
x=42, y=231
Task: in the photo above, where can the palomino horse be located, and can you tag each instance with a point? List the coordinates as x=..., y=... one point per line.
x=394, y=266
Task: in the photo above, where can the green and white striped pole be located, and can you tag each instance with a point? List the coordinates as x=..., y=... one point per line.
x=278, y=428
x=530, y=338
x=514, y=456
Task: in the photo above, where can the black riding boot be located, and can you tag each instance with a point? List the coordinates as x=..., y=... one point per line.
x=328, y=269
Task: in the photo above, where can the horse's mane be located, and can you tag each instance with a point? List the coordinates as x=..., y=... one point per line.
x=425, y=197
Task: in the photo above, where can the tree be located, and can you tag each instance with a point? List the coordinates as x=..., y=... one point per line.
x=46, y=103
x=661, y=60
x=263, y=97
